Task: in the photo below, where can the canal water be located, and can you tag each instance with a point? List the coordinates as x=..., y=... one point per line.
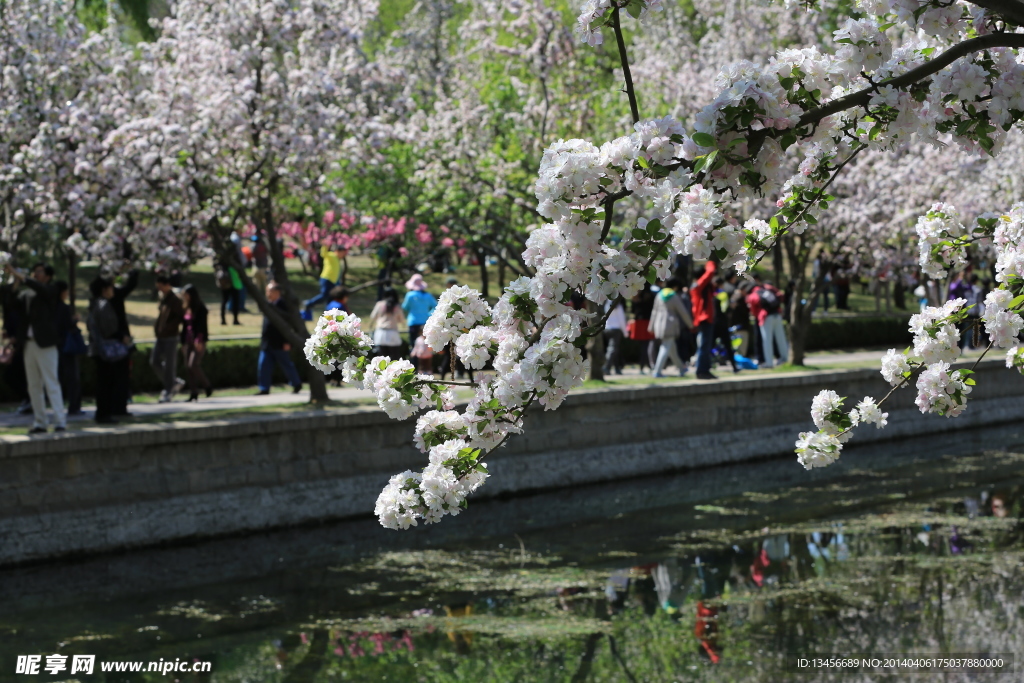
x=725, y=574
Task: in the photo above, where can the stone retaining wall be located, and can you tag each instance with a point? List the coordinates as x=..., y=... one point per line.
x=147, y=484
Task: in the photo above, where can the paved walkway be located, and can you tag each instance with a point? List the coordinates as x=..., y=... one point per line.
x=283, y=397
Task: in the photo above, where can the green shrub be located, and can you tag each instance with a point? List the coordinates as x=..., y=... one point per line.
x=226, y=364
x=839, y=333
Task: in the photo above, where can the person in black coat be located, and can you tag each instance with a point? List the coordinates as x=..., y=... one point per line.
x=274, y=348
x=194, y=335
x=109, y=321
x=38, y=335
x=67, y=367
x=14, y=375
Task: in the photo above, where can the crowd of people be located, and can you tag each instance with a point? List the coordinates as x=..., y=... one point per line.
x=719, y=319
x=715, y=320
x=43, y=344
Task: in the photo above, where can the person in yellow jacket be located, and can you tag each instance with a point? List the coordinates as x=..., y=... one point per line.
x=329, y=276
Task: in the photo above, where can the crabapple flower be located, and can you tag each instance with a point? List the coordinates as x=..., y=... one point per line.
x=942, y=391
x=1002, y=325
x=817, y=449
x=868, y=412
x=1015, y=358
x=336, y=338
x=936, y=336
x=894, y=367
x=459, y=309
x=436, y=427
x=937, y=231
x=476, y=347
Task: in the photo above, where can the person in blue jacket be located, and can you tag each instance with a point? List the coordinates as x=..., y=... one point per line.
x=418, y=305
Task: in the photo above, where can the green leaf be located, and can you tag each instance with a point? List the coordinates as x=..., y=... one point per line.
x=634, y=8
x=704, y=140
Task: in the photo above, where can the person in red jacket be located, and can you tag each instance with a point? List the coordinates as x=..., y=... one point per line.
x=703, y=304
x=765, y=303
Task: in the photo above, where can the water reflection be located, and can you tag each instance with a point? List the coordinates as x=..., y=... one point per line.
x=915, y=557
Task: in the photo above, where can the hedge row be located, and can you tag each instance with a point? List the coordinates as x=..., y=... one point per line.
x=233, y=364
x=839, y=333
x=226, y=364
x=834, y=333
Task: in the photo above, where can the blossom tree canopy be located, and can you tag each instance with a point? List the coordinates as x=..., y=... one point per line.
x=249, y=104
x=907, y=69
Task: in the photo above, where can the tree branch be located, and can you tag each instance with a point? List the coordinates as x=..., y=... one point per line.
x=862, y=97
x=1008, y=9
x=633, y=109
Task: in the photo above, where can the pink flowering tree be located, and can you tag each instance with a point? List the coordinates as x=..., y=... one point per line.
x=905, y=69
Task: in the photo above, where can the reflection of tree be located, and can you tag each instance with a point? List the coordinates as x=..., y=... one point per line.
x=313, y=662
x=462, y=639
x=587, y=660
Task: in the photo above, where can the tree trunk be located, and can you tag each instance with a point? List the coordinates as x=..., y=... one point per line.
x=293, y=327
x=799, y=326
x=71, y=279
x=595, y=347
x=482, y=260
x=899, y=293
x=778, y=266
x=297, y=334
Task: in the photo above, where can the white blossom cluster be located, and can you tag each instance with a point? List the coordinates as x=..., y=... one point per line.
x=817, y=449
x=835, y=427
x=442, y=488
x=435, y=427
x=594, y=14
x=895, y=367
x=827, y=413
x=459, y=310
x=534, y=355
x=337, y=336
x=1008, y=240
x=936, y=337
x=943, y=391
x=1002, y=324
x=938, y=232
x=868, y=412
x=1015, y=358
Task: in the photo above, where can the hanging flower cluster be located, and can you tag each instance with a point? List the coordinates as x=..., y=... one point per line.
x=937, y=329
x=337, y=336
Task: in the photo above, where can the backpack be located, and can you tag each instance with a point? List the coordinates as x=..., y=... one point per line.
x=223, y=278
x=770, y=303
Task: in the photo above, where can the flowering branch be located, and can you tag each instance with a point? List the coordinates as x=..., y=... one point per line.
x=683, y=181
x=621, y=44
